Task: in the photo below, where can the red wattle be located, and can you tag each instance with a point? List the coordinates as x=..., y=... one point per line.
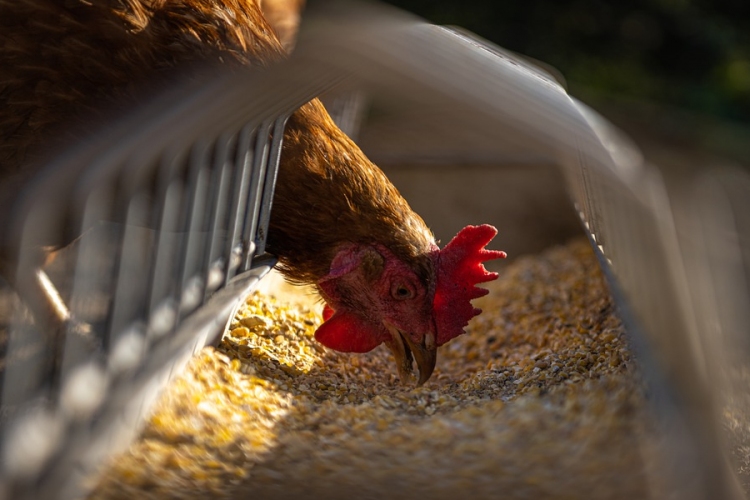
x=347, y=332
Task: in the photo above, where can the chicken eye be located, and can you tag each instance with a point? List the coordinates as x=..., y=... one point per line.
x=402, y=292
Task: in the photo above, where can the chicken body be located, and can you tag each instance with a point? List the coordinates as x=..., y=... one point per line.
x=337, y=222
x=67, y=63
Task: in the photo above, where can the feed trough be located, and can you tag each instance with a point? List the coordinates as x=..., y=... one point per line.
x=179, y=194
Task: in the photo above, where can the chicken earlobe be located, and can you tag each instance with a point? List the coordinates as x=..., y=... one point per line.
x=346, y=330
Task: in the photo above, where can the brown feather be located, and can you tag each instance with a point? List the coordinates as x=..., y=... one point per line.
x=328, y=193
x=66, y=60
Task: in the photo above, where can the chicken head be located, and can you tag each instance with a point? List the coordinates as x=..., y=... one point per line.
x=373, y=297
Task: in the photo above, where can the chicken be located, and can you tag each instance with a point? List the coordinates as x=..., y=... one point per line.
x=373, y=259
x=337, y=222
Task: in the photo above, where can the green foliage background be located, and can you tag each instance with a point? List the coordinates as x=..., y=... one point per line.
x=689, y=54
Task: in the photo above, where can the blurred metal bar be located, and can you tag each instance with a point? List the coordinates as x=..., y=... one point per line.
x=201, y=145
x=264, y=216
x=156, y=225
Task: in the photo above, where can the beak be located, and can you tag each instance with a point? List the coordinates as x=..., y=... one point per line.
x=405, y=350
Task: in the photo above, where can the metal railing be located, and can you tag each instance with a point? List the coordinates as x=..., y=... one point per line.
x=162, y=219
x=172, y=203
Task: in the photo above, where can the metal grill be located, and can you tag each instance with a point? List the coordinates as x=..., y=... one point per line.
x=168, y=216
x=675, y=250
x=674, y=247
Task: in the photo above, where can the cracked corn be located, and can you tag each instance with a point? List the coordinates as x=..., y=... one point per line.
x=540, y=399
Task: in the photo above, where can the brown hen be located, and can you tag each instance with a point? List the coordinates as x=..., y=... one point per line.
x=337, y=222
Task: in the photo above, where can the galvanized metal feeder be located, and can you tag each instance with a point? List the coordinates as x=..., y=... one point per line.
x=173, y=202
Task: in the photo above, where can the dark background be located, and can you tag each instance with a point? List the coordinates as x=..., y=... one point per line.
x=680, y=68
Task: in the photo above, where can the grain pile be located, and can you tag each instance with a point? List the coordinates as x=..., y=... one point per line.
x=540, y=399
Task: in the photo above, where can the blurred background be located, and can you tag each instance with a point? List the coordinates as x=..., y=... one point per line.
x=674, y=74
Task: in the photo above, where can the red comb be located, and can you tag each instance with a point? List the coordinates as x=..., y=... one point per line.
x=459, y=268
